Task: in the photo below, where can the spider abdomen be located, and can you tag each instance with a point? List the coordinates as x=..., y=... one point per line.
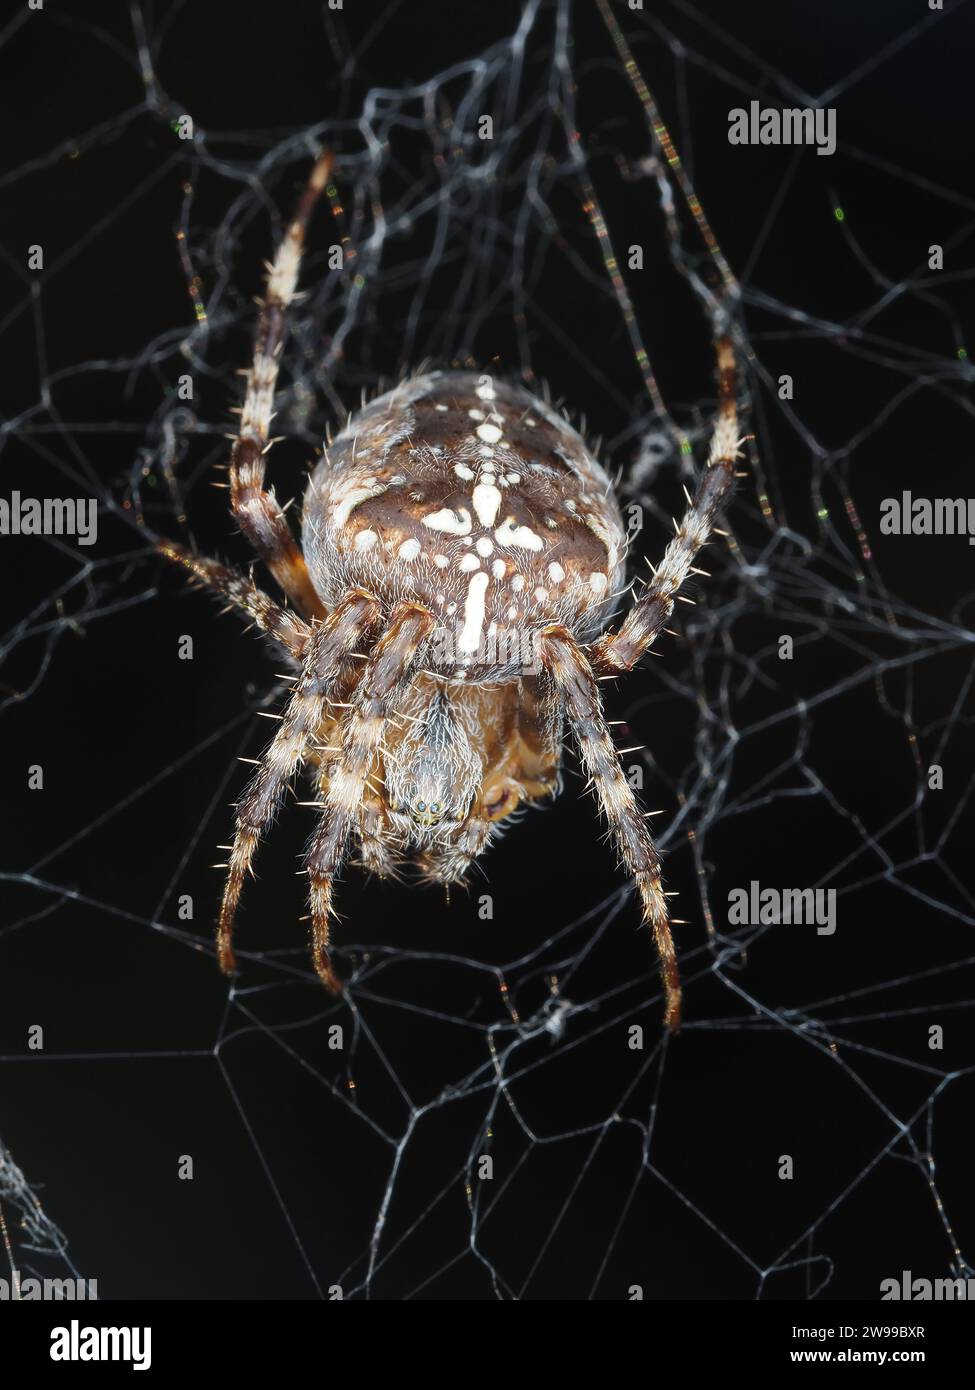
x=479, y=501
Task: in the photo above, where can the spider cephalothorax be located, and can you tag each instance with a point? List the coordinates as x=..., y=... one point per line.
x=462, y=550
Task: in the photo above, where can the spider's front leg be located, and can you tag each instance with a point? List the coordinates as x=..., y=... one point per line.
x=392, y=662
x=258, y=512
x=377, y=840
x=620, y=651
x=574, y=678
x=328, y=647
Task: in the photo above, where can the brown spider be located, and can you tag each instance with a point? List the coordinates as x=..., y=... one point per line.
x=461, y=553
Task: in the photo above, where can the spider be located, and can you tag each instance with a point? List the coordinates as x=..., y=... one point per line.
x=447, y=616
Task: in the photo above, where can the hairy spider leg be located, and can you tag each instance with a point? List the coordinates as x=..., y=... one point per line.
x=257, y=510
x=574, y=678
x=242, y=593
x=391, y=664
x=621, y=650
x=330, y=644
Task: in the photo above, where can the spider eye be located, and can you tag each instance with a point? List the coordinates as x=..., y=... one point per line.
x=426, y=812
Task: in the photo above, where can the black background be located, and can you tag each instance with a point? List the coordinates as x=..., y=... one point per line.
x=288, y=1179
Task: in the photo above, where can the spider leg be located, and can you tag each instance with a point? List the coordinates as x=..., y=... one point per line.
x=257, y=510
x=373, y=827
x=573, y=675
x=621, y=650
x=391, y=663
x=330, y=643
x=375, y=837
x=242, y=593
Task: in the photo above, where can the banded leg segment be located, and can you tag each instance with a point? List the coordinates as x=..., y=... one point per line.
x=257, y=510
x=330, y=644
x=389, y=667
x=243, y=594
x=621, y=650
x=574, y=679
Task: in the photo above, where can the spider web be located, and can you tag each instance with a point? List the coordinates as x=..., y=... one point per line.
x=482, y=1125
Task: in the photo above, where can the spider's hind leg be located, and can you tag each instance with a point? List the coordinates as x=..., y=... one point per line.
x=574, y=679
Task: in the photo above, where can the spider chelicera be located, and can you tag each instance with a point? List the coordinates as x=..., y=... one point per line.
x=446, y=613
